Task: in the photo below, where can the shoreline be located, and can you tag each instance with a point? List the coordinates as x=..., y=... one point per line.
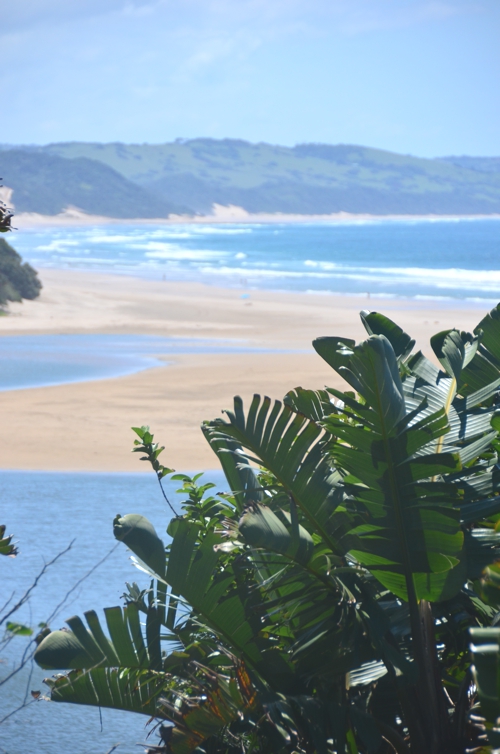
x=231, y=214
x=85, y=426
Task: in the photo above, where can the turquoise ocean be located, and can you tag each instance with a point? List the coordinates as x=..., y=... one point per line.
x=450, y=260
x=456, y=258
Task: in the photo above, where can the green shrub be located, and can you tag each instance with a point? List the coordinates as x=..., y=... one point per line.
x=18, y=280
x=323, y=604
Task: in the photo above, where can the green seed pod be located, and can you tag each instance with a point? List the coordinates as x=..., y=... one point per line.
x=140, y=535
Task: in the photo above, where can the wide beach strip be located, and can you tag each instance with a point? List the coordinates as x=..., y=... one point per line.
x=86, y=426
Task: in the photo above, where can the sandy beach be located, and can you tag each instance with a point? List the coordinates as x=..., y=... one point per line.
x=86, y=426
x=73, y=217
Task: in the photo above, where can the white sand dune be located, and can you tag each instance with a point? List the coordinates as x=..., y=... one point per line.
x=74, y=217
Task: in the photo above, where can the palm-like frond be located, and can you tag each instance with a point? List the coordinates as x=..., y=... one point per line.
x=485, y=366
x=411, y=537
x=82, y=647
x=128, y=689
x=290, y=446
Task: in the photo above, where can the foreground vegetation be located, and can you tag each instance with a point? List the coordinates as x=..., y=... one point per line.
x=325, y=603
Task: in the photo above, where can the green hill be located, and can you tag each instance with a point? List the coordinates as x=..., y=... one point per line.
x=306, y=179
x=482, y=164
x=46, y=183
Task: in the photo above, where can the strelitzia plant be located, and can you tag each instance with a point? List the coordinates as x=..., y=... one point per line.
x=323, y=604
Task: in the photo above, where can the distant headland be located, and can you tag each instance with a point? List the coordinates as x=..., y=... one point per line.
x=230, y=180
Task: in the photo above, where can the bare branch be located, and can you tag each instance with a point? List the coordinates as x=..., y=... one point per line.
x=27, y=593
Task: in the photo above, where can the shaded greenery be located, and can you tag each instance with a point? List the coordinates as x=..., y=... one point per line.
x=323, y=605
x=308, y=178
x=5, y=218
x=485, y=649
x=18, y=279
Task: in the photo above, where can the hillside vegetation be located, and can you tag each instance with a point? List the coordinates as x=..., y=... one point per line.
x=18, y=280
x=141, y=180
x=48, y=184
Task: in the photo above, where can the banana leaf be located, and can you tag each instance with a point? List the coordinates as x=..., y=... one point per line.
x=314, y=404
x=83, y=648
x=129, y=689
x=485, y=366
x=261, y=528
x=378, y=324
x=290, y=446
x=410, y=540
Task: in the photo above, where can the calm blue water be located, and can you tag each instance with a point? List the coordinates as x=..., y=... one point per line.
x=450, y=258
x=40, y=360
x=46, y=511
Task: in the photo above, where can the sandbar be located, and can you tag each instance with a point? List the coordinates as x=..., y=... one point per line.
x=86, y=426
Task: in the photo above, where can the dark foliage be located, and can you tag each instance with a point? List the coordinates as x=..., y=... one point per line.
x=18, y=279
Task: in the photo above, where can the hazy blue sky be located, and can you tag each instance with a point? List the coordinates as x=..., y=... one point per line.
x=414, y=76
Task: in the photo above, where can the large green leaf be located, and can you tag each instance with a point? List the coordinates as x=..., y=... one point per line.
x=290, y=446
x=126, y=689
x=315, y=404
x=455, y=350
x=214, y=595
x=239, y=473
x=192, y=574
x=335, y=351
x=261, y=528
x=83, y=647
x=485, y=366
x=428, y=390
x=378, y=324
x=410, y=539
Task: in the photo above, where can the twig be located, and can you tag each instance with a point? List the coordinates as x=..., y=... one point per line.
x=166, y=498
x=27, y=593
x=61, y=604
x=4, y=606
x=18, y=709
x=29, y=651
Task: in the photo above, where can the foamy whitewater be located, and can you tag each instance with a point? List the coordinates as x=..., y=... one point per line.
x=421, y=258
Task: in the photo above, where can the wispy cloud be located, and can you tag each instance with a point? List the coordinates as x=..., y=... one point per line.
x=393, y=15
x=26, y=14
x=351, y=16
x=279, y=70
